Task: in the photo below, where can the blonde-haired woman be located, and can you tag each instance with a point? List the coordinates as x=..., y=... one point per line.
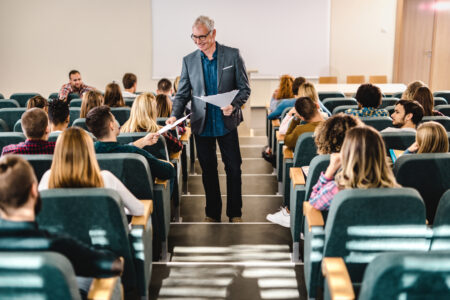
x=75, y=165
x=411, y=89
x=90, y=100
x=431, y=137
x=362, y=164
x=143, y=119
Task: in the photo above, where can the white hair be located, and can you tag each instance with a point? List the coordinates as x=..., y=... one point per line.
x=208, y=22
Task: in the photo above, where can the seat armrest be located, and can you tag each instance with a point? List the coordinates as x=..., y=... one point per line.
x=276, y=123
x=161, y=181
x=313, y=216
x=287, y=153
x=143, y=220
x=175, y=155
x=280, y=137
x=103, y=288
x=337, y=278
x=297, y=177
x=185, y=137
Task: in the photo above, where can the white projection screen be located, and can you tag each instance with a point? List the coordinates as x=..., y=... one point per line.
x=274, y=37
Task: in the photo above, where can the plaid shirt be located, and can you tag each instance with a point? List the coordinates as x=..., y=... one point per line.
x=30, y=147
x=368, y=112
x=323, y=192
x=68, y=88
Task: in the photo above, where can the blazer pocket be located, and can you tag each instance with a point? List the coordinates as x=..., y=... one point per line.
x=226, y=68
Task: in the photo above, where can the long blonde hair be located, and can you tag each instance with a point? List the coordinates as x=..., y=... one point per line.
x=142, y=115
x=411, y=89
x=363, y=158
x=74, y=163
x=431, y=137
x=91, y=99
x=307, y=89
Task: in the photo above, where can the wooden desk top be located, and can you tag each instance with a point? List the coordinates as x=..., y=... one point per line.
x=280, y=137
x=350, y=89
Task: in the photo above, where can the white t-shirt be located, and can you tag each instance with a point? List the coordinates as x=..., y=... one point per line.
x=395, y=129
x=127, y=94
x=132, y=205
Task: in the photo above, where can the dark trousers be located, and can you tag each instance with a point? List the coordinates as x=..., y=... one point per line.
x=231, y=157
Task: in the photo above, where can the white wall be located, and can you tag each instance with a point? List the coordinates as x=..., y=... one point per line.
x=41, y=40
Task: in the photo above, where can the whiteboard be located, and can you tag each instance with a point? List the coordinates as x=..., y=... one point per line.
x=274, y=37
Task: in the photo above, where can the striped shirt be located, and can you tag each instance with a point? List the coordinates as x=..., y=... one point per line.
x=67, y=89
x=323, y=192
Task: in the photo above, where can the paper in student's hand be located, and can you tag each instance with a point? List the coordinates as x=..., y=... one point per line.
x=220, y=100
x=170, y=126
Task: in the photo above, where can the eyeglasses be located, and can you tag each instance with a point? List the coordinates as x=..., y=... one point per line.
x=200, y=37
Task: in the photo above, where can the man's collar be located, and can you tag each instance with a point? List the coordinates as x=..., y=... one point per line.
x=214, y=54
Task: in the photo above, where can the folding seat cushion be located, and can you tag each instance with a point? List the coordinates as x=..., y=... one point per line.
x=9, y=103
x=11, y=115
x=332, y=103
x=22, y=98
x=325, y=95
x=379, y=123
x=8, y=138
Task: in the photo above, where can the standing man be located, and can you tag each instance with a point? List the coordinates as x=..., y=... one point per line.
x=75, y=86
x=211, y=70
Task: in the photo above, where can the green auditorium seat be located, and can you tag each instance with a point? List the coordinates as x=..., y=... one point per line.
x=74, y=113
x=390, y=109
x=428, y=173
x=159, y=149
x=96, y=216
x=300, y=193
x=305, y=151
x=122, y=114
x=73, y=96
x=443, y=94
x=440, y=101
x=38, y=275
x=11, y=115
x=9, y=103
x=80, y=122
x=397, y=95
x=53, y=136
x=441, y=225
x=385, y=102
x=40, y=163
x=343, y=108
x=1, y=96
x=8, y=138
x=53, y=96
x=361, y=224
x=332, y=103
x=161, y=121
x=76, y=102
x=3, y=126
x=325, y=95
x=22, y=98
x=444, y=109
x=379, y=123
x=398, y=140
x=443, y=120
x=128, y=101
x=133, y=170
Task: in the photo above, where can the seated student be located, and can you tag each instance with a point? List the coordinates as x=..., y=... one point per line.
x=113, y=95
x=58, y=115
x=361, y=164
x=285, y=103
x=74, y=165
x=143, y=119
x=424, y=96
x=103, y=125
x=91, y=99
x=306, y=111
x=165, y=87
x=175, y=85
x=329, y=136
x=406, y=116
x=75, y=86
x=431, y=137
x=163, y=106
x=36, y=129
x=129, y=81
x=39, y=102
x=284, y=91
x=411, y=89
x=369, y=99
x=19, y=205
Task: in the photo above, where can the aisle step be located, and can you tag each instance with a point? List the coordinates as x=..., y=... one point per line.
x=249, y=166
x=247, y=151
x=254, y=208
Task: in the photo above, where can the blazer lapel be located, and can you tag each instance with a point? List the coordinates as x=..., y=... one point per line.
x=220, y=62
x=200, y=72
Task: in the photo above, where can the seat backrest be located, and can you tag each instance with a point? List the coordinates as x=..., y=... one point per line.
x=76, y=102
x=22, y=98
x=18, y=126
x=284, y=112
x=377, y=79
x=73, y=96
x=318, y=164
x=443, y=120
x=379, y=123
x=8, y=138
x=439, y=101
x=159, y=149
x=428, y=173
x=305, y=150
x=1, y=96
x=37, y=275
x=443, y=94
x=325, y=95
x=74, y=113
x=343, y=108
x=398, y=140
x=328, y=79
x=129, y=101
x=132, y=169
x=390, y=109
x=352, y=79
x=80, y=122
x=161, y=121
x=53, y=96
x=364, y=222
x=122, y=114
x=407, y=275
x=40, y=163
x=5, y=103
x=11, y=115
x=444, y=109
x=94, y=216
x=332, y=103
x=391, y=101
x=441, y=225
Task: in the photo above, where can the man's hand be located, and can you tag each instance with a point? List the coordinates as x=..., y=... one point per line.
x=148, y=140
x=227, y=110
x=171, y=120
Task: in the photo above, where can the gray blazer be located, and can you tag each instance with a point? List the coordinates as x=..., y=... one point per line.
x=231, y=75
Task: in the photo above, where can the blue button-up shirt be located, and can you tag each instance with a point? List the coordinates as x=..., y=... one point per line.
x=214, y=125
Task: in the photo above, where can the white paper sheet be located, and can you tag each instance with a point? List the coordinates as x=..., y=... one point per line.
x=220, y=100
x=170, y=126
